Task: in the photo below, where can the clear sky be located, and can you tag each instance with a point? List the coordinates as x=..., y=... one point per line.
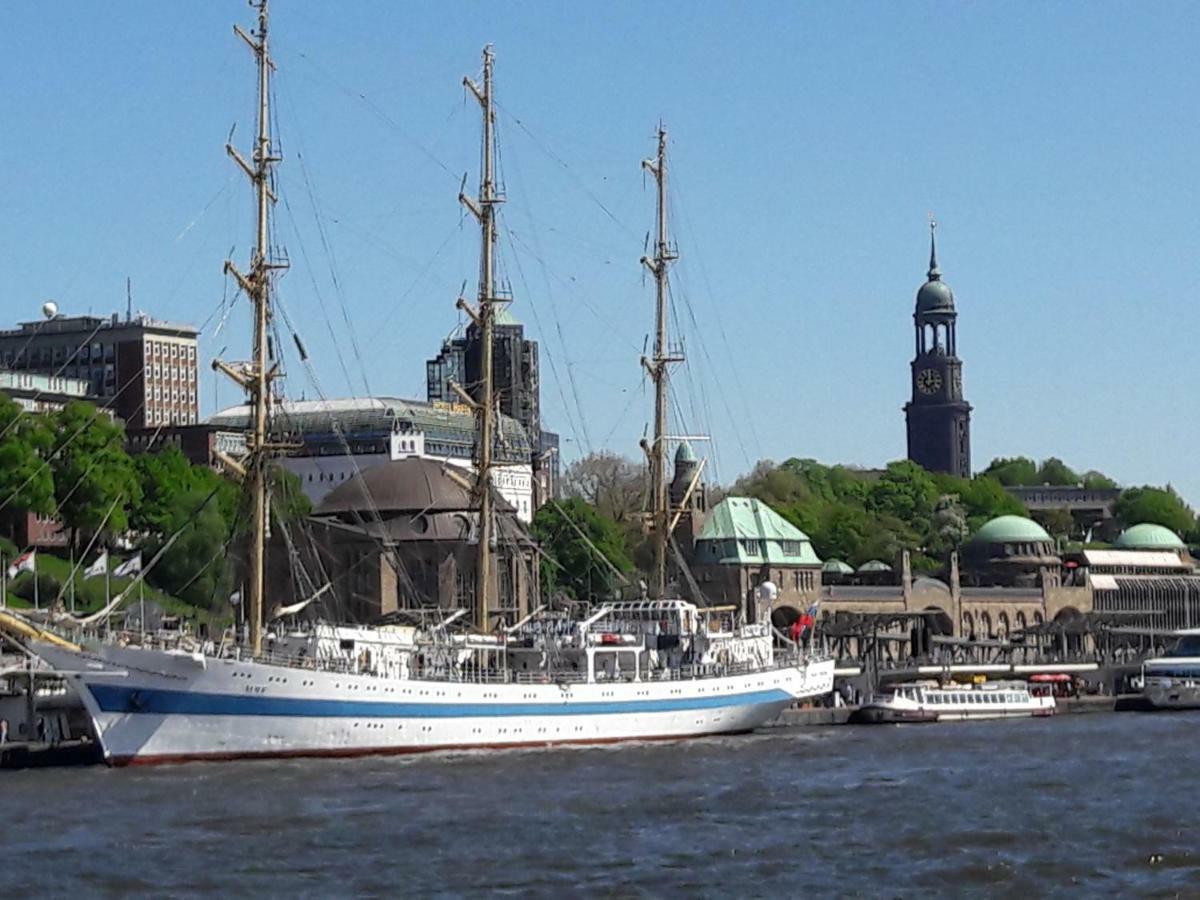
x=1057, y=144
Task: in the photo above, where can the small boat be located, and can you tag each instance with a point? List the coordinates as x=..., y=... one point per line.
x=929, y=701
x=1172, y=681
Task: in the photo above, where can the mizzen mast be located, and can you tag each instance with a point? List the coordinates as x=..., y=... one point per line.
x=664, y=255
x=256, y=375
x=483, y=208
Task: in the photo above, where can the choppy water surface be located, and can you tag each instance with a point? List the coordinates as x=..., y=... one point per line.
x=1076, y=805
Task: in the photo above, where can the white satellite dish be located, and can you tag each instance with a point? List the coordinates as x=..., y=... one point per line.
x=49, y=309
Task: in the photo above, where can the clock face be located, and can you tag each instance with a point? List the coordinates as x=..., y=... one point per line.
x=929, y=381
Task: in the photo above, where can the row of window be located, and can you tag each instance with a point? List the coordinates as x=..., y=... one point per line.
x=172, y=372
x=170, y=417
x=168, y=350
x=173, y=395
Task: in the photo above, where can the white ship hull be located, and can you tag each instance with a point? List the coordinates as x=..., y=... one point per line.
x=151, y=706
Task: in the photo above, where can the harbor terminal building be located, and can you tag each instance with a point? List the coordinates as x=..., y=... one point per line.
x=1008, y=581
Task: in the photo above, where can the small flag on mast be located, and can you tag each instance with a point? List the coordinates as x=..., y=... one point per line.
x=26, y=562
x=131, y=566
x=99, y=567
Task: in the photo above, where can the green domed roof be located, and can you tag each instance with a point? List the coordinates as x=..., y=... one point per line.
x=935, y=296
x=837, y=567
x=874, y=565
x=685, y=454
x=1149, y=536
x=1010, y=529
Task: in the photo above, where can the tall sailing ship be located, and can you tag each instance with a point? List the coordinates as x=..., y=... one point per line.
x=649, y=668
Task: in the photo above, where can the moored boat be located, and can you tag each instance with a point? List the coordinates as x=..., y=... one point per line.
x=1172, y=681
x=929, y=701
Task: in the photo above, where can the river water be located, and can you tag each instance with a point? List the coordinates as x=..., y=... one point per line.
x=1077, y=805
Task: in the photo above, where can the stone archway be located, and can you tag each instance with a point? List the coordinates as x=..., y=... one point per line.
x=985, y=625
x=1002, y=627
x=1072, y=641
x=968, y=625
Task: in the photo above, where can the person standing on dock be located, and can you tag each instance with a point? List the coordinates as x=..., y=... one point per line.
x=3, y=732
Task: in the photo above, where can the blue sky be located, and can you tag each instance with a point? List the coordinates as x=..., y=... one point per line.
x=1056, y=144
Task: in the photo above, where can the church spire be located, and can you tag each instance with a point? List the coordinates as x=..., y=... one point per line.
x=934, y=273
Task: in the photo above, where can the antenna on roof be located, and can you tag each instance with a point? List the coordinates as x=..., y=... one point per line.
x=128, y=299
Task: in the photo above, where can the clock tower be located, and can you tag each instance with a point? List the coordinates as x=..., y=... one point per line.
x=939, y=418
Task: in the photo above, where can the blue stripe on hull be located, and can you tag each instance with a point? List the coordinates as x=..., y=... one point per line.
x=119, y=699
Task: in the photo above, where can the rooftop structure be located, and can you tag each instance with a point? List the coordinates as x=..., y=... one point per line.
x=1148, y=536
x=337, y=439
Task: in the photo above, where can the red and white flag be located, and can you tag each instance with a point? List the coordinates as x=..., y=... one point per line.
x=26, y=562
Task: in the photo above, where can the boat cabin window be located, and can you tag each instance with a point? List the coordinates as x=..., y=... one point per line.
x=346, y=644
x=1188, y=645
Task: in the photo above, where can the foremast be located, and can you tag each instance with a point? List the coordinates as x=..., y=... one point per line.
x=483, y=208
x=657, y=367
x=256, y=376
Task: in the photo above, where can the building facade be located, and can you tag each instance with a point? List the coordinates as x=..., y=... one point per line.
x=143, y=369
x=334, y=440
x=35, y=392
x=401, y=536
x=937, y=415
x=516, y=383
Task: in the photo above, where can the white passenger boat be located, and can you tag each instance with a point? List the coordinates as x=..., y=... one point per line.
x=634, y=671
x=929, y=701
x=1172, y=681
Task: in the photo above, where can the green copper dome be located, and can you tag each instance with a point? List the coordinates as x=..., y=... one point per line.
x=874, y=565
x=1010, y=530
x=837, y=567
x=1148, y=536
x=935, y=296
x=685, y=454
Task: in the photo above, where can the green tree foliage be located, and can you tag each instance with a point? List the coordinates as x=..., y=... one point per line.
x=1162, y=506
x=572, y=566
x=1012, y=471
x=26, y=481
x=1055, y=471
x=856, y=515
x=1097, y=481
x=92, y=471
x=165, y=479
x=194, y=567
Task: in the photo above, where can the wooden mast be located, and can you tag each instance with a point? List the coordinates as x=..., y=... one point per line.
x=256, y=375
x=656, y=451
x=483, y=209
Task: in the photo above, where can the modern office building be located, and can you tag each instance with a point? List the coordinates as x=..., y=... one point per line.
x=143, y=369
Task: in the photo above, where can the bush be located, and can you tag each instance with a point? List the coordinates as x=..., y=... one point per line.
x=47, y=588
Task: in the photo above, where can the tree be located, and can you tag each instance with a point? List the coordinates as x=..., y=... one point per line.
x=26, y=482
x=610, y=483
x=1058, y=522
x=1095, y=481
x=1161, y=506
x=194, y=568
x=1013, y=471
x=94, y=477
x=1055, y=471
x=571, y=564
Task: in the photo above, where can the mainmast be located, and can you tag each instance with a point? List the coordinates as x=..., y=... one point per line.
x=256, y=376
x=484, y=210
x=664, y=254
